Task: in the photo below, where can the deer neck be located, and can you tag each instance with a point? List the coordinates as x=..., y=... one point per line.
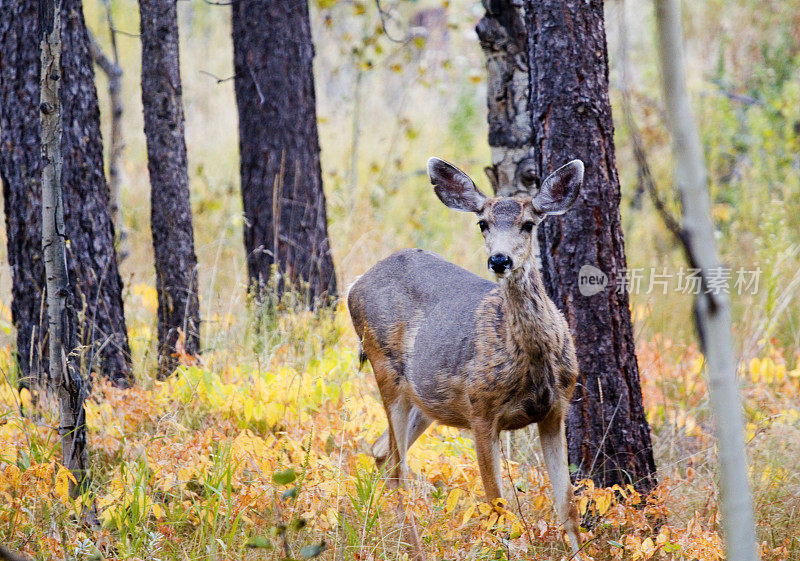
x=525, y=306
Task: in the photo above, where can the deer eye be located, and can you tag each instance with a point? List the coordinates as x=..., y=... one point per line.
x=483, y=225
x=528, y=226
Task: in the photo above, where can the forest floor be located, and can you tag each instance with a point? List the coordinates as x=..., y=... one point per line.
x=259, y=451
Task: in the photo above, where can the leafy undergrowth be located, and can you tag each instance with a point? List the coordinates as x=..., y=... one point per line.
x=263, y=456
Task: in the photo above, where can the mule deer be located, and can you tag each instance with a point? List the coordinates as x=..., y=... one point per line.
x=449, y=346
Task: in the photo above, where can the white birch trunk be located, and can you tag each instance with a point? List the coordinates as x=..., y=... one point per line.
x=712, y=311
x=62, y=377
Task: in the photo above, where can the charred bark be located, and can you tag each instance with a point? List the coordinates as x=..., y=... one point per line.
x=170, y=210
x=284, y=204
x=570, y=117
x=20, y=171
x=91, y=257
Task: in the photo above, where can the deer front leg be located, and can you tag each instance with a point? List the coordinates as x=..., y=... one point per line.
x=554, y=447
x=487, y=447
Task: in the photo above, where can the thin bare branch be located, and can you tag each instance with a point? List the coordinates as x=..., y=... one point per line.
x=383, y=15
x=217, y=78
x=111, y=68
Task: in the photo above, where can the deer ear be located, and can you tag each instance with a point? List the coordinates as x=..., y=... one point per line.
x=560, y=189
x=454, y=187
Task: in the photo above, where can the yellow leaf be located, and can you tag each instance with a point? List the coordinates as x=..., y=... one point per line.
x=333, y=516
x=583, y=504
x=107, y=517
x=499, y=503
x=25, y=397
x=602, y=503
x=184, y=474
x=158, y=511
x=148, y=295
x=452, y=500
x=62, y=479
x=468, y=514
x=648, y=548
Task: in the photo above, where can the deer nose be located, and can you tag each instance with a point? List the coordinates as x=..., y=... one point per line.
x=500, y=263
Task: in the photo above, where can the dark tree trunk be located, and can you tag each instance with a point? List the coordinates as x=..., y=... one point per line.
x=284, y=205
x=170, y=210
x=20, y=171
x=91, y=257
x=570, y=116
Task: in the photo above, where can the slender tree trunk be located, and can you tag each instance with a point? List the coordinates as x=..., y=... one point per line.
x=560, y=46
x=170, y=210
x=712, y=307
x=284, y=205
x=64, y=378
x=91, y=257
x=113, y=71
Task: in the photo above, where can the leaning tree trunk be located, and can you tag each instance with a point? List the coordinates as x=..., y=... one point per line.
x=284, y=205
x=170, y=210
x=563, y=112
x=712, y=307
x=91, y=257
x=113, y=71
x=64, y=378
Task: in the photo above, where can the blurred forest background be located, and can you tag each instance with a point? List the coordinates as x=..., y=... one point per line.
x=427, y=96
x=383, y=108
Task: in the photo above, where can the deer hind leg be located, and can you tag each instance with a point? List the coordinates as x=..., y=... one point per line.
x=487, y=447
x=399, y=416
x=387, y=449
x=554, y=447
x=418, y=422
x=399, y=430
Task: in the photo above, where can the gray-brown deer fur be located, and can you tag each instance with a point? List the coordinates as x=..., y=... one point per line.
x=447, y=345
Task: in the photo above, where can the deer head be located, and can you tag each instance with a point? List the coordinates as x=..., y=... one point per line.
x=508, y=223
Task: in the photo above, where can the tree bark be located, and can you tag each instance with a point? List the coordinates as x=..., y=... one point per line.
x=284, y=205
x=170, y=210
x=20, y=171
x=569, y=114
x=503, y=34
x=91, y=257
x=64, y=378
x=712, y=306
